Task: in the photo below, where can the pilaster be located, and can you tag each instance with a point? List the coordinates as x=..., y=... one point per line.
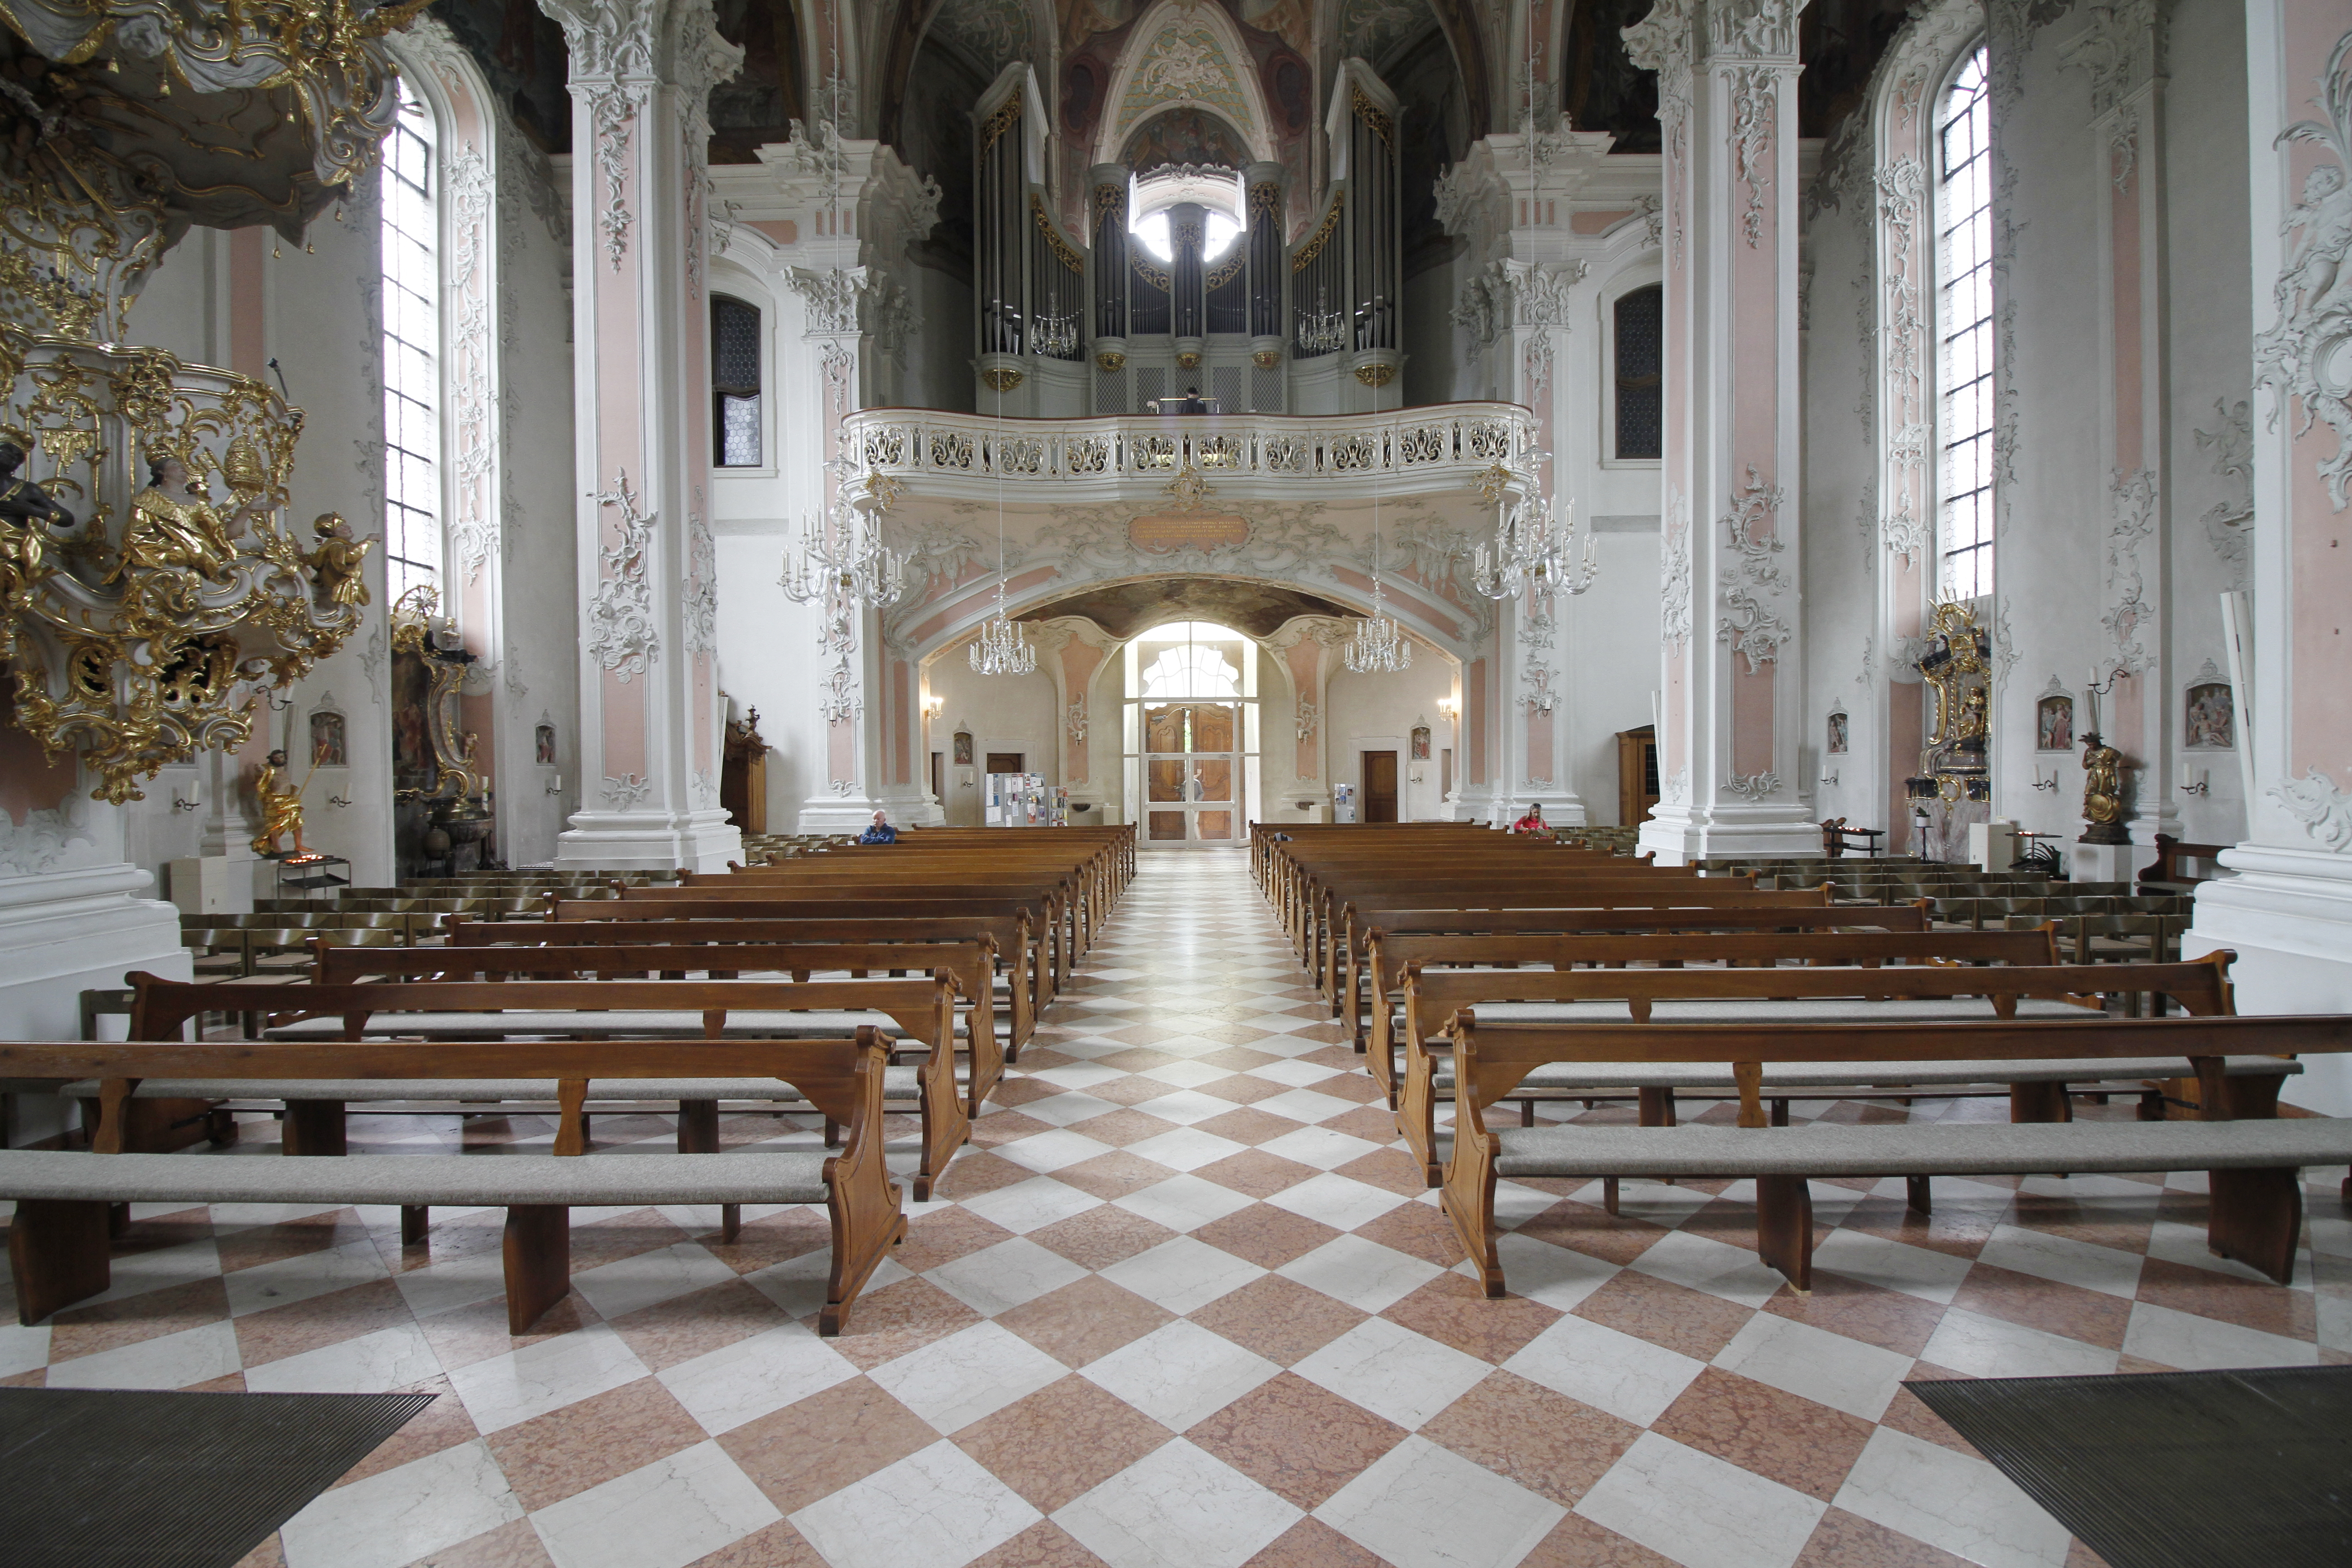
x=1733, y=655
x=651, y=729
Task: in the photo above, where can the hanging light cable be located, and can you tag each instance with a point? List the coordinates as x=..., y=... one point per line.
x=1003, y=646
x=1380, y=645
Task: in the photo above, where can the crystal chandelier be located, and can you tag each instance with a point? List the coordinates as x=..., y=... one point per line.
x=1003, y=646
x=1380, y=645
x=1055, y=337
x=1321, y=332
x=843, y=555
x=1531, y=549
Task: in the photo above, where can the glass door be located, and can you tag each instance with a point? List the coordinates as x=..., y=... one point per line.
x=1192, y=768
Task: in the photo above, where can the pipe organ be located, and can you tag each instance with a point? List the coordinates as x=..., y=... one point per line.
x=1184, y=282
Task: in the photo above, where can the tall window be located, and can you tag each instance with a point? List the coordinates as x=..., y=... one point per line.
x=1964, y=322
x=412, y=349
x=1641, y=387
x=735, y=380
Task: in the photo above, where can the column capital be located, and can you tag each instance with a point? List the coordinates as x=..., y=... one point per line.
x=674, y=41
x=1679, y=33
x=2121, y=50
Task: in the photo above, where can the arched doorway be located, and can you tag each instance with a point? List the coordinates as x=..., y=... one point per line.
x=1191, y=734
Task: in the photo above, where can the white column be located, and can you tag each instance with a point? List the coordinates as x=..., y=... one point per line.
x=2288, y=912
x=1734, y=705
x=651, y=731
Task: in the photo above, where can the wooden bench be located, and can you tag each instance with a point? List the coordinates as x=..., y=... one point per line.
x=581, y=1010
x=1920, y=994
x=2256, y=1204
x=1009, y=935
x=59, y=1249
x=1388, y=953
x=972, y=964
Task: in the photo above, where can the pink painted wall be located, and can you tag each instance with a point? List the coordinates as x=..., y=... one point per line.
x=1475, y=685
x=248, y=311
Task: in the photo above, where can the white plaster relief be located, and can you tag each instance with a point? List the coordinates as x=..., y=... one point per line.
x=1753, y=787
x=2305, y=355
x=831, y=296
x=626, y=792
x=1675, y=788
x=1660, y=42
x=1754, y=583
x=2324, y=810
x=1674, y=593
x=620, y=615
x=1754, y=99
x=702, y=583
x=2132, y=511
x=2228, y=521
x=57, y=840
x=1308, y=717
x=613, y=110
x=473, y=531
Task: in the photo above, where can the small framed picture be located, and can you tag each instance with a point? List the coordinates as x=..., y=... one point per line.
x=963, y=747
x=1421, y=743
x=2212, y=717
x=1837, y=735
x=2053, y=724
x=543, y=744
x=329, y=747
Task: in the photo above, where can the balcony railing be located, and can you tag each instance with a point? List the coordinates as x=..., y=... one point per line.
x=1452, y=443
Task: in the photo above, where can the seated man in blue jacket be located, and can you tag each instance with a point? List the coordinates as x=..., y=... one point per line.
x=881, y=832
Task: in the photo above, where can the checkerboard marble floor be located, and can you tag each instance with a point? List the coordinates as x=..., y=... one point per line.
x=1184, y=1302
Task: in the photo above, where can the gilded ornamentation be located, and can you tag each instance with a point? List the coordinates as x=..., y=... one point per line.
x=281, y=810
x=1265, y=359
x=1379, y=372
x=1109, y=360
x=417, y=630
x=2103, y=792
x=1954, y=661
x=1000, y=378
x=337, y=565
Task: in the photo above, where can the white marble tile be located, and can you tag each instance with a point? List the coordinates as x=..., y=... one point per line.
x=1001, y=1277
x=1183, y=1203
x=1513, y=1205
x=1049, y=1152
x=1340, y=1202
x=1307, y=1105
x=1420, y=1506
x=1892, y=1265
x=1078, y=1076
x=1032, y=1205
x=746, y=1380
x=1700, y=1511
x=1325, y=1148
x=137, y=1273
x=799, y=1285
x=402, y=1514
x=936, y=1506
x=975, y=1371
x=1717, y=1267
x=1183, y=1275
x=1559, y=1277
x=1180, y=1373
x=1186, y=1149
x=1185, y=1107
x=2193, y=1343
x=1361, y=1272
x=167, y=1361
x=1813, y=1363
x=1061, y=1109
x=1393, y=1372
x=21, y=1348
x=1630, y=1378
x=626, y=1284
x=2107, y=1269
x=1296, y=1073
x=1178, y=1507
x=302, y=1276
x=1660, y=1203
x=1985, y=1346
x=1951, y=1500
x=379, y=1362
x=460, y=1282
x=507, y=1389
x=1184, y=1073
x=661, y=1515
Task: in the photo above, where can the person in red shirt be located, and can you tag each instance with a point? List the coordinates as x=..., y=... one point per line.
x=1533, y=823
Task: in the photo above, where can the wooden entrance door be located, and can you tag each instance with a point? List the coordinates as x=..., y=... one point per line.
x=1007, y=762
x=1379, y=787
x=1192, y=771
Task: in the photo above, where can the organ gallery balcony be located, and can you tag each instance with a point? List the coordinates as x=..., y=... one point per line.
x=1442, y=449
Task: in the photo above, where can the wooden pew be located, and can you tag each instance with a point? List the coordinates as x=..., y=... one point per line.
x=1009, y=935
x=2256, y=1202
x=58, y=1247
x=1782, y=997
x=631, y=1009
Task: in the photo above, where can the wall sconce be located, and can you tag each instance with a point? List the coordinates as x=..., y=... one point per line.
x=2049, y=784
x=193, y=799
x=2193, y=781
x=934, y=704
x=337, y=800
x=1449, y=708
x=555, y=784
x=1829, y=779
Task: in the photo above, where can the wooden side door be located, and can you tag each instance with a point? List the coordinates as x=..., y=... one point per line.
x=1379, y=787
x=1007, y=762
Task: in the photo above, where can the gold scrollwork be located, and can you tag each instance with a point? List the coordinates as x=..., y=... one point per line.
x=1307, y=252
x=1062, y=249
x=1379, y=372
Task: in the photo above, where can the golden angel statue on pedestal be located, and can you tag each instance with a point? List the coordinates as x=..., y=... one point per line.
x=281, y=810
x=2103, y=793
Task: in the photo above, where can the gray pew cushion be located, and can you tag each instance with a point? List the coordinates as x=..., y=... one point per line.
x=897, y=1083
x=1764, y=1010
x=741, y=1023
x=1905, y=1149
x=472, y=1180
x=1624, y=1077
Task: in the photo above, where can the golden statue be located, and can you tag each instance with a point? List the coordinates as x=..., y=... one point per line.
x=1971, y=737
x=169, y=533
x=281, y=809
x=26, y=514
x=336, y=564
x=2103, y=792
x=241, y=467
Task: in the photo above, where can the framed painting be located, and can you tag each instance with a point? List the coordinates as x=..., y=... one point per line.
x=2053, y=724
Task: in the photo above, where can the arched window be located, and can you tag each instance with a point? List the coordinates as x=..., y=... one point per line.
x=735, y=382
x=1964, y=330
x=1191, y=671
x=1639, y=337
x=412, y=349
